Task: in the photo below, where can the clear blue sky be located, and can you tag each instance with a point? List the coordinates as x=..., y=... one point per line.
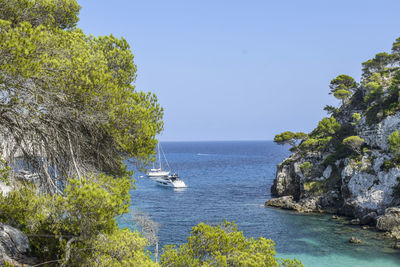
x=244, y=70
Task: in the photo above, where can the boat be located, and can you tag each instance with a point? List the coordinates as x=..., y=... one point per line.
x=171, y=181
x=159, y=172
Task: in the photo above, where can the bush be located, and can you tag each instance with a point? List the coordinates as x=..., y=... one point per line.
x=223, y=245
x=78, y=227
x=394, y=142
x=387, y=165
x=354, y=142
x=306, y=168
x=314, y=187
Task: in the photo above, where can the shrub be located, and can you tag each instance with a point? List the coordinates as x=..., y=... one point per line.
x=354, y=142
x=394, y=142
x=387, y=165
x=222, y=245
x=306, y=168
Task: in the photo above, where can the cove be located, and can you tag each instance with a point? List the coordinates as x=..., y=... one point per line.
x=231, y=181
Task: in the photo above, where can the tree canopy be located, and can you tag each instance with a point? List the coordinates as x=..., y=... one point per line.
x=223, y=245
x=289, y=138
x=354, y=142
x=68, y=99
x=342, y=87
x=62, y=14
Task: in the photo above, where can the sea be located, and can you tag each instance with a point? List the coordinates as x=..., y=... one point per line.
x=231, y=181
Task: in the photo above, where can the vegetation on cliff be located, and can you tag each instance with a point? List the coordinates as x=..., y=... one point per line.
x=350, y=162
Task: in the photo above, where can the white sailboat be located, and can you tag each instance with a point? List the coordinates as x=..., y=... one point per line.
x=159, y=172
x=163, y=177
x=171, y=181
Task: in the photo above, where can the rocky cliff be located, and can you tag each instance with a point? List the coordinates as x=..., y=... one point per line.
x=347, y=165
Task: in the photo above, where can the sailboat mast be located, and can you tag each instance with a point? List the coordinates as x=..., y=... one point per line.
x=159, y=155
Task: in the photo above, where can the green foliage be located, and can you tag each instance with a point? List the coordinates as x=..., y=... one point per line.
x=318, y=144
x=377, y=64
x=119, y=248
x=342, y=82
x=55, y=13
x=356, y=118
x=222, y=245
x=327, y=131
x=327, y=127
x=394, y=142
x=340, y=152
x=4, y=171
x=72, y=90
x=396, y=46
x=354, y=142
x=387, y=165
x=314, y=187
x=342, y=87
x=87, y=212
x=342, y=94
x=306, y=168
x=289, y=138
x=331, y=109
x=91, y=204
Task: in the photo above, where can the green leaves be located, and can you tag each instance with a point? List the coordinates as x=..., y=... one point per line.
x=74, y=92
x=342, y=87
x=289, y=138
x=354, y=142
x=394, y=142
x=327, y=127
x=56, y=13
x=222, y=245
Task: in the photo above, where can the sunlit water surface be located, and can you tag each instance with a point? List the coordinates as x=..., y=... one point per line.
x=232, y=180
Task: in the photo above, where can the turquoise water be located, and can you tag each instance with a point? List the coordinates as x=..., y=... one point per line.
x=231, y=180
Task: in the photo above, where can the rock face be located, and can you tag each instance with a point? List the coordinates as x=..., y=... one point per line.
x=354, y=240
x=390, y=221
x=14, y=247
x=359, y=185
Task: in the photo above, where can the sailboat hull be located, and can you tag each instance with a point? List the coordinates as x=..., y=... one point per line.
x=176, y=183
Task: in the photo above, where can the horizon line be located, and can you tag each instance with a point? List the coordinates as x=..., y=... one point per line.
x=230, y=140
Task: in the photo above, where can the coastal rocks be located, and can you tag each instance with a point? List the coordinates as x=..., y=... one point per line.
x=377, y=134
x=285, y=202
x=4, y=189
x=369, y=219
x=283, y=183
x=390, y=221
x=327, y=172
x=396, y=244
x=14, y=247
x=371, y=192
x=354, y=240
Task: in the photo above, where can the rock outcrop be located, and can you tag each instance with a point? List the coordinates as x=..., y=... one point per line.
x=14, y=247
x=361, y=180
x=360, y=188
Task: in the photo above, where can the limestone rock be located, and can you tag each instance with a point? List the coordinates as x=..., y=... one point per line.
x=14, y=246
x=370, y=219
x=285, y=202
x=354, y=240
x=390, y=221
x=4, y=189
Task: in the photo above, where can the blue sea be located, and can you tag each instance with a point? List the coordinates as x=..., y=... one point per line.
x=231, y=181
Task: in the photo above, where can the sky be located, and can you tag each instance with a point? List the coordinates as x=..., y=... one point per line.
x=244, y=69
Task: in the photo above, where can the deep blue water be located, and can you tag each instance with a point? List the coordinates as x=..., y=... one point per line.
x=232, y=180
